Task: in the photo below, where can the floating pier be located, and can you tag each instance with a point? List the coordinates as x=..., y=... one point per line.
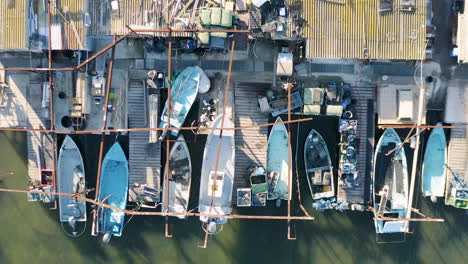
x=145, y=157
x=364, y=113
x=457, y=158
x=251, y=144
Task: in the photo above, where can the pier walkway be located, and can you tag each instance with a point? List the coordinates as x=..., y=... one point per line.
x=457, y=158
x=251, y=144
x=364, y=113
x=145, y=157
x=22, y=108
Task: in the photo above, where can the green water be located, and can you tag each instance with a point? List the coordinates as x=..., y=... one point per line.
x=31, y=233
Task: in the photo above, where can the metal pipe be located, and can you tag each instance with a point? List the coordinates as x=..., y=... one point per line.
x=37, y=69
x=104, y=125
x=51, y=103
x=226, y=98
x=416, y=151
x=121, y=130
x=289, y=163
x=169, y=84
x=131, y=212
x=414, y=126
x=108, y=47
x=190, y=30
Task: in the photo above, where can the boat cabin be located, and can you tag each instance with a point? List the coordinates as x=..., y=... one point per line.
x=218, y=186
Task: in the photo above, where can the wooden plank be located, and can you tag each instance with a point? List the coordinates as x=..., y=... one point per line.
x=145, y=157
x=250, y=143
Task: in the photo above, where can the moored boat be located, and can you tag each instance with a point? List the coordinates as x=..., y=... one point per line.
x=318, y=166
x=390, y=183
x=183, y=93
x=217, y=182
x=278, y=158
x=180, y=175
x=71, y=179
x=113, y=189
x=434, y=169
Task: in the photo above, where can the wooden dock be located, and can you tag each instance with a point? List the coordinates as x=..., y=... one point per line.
x=145, y=157
x=40, y=148
x=457, y=158
x=23, y=109
x=251, y=144
x=364, y=111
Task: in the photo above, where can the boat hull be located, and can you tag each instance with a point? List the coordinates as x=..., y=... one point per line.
x=318, y=166
x=434, y=166
x=278, y=158
x=179, y=179
x=217, y=202
x=113, y=189
x=71, y=179
x=183, y=93
x=391, y=177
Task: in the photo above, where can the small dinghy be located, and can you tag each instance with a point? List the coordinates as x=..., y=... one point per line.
x=390, y=183
x=318, y=166
x=179, y=179
x=434, y=169
x=113, y=190
x=183, y=93
x=71, y=179
x=278, y=163
x=216, y=183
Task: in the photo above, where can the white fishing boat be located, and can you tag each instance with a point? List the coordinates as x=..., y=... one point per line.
x=278, y=163
x=390, y=183
x=217, y=176
x=180, y=176
x=71, y=179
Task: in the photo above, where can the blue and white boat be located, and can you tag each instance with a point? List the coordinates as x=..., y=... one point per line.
x=113, y=189
x=390, y=184
x=434, y=170
x=217, y=176
x=278, y=163
x=183, y=93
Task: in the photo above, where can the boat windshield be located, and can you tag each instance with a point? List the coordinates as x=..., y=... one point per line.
x=258, y=179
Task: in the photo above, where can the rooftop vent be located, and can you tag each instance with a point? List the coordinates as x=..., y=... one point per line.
x=407, y=5
x=385, y=6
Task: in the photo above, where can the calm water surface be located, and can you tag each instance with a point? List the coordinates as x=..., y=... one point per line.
x=31, y=233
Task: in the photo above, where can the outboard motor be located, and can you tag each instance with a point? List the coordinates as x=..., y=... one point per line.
x=106, y=238
x=72, y=222
x=212, y=227
x=163, y=134
x=278, y=202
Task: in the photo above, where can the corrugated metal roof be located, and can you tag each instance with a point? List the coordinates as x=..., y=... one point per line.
x=356, y=29
x=13, y=25
x=138, y=14
x=67, y=24
x=462, y=38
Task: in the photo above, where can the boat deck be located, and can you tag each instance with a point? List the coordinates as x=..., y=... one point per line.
x=251, y=144
x=457, y=157
x=364, y=111
x=145, y=157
